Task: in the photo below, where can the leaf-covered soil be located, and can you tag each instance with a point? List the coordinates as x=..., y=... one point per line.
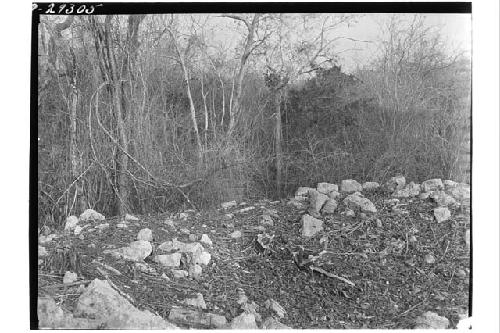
x=392, y=282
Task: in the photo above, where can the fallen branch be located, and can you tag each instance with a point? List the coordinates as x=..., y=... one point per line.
x=60, y=285
x=322, y=271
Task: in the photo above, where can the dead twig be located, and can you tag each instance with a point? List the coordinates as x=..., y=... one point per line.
x=322, y=271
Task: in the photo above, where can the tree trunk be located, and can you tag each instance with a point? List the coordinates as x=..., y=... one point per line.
x=277, y=142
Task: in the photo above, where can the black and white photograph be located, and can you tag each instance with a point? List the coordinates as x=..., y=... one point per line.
x=252, y=166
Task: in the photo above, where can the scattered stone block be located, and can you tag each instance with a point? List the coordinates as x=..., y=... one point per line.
x=432, y=185
x=431, y=320
x=326, y=188
x=91, y=214
x=441, y=214
x=350, y=186
x=311, y=226
x=145, y=235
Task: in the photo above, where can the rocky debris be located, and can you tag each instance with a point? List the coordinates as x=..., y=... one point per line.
x=395, y=183
x=310, y=226
x=201, y=258
x=391, y=202
x=244, y=321
x=183, y=215
x=461, y=192
x=77, y=230
x=42, y=251
x=71, y=222
x=185, y=231
x=192, y=238
x=251, y=308
x=69, y=277
x=297, y=203
x=316, y=202
x=196, y=318
x=461, y=273
x=206, y=240
x=266, y=220
x=441, y=214
x=432, y=185
x=350, y=185
x=429, y=259
x=195, y=271
x=145, y=268
x=442, y=199
x=302, y=193
x=122, y=225
x=467, y=238
x=349, y=213
x=145, y=235
x=102, y=226
x=91, y=214
x=431, y=320
x=272, y=324
x=271, y=212
x=424, y=195
x=242, y=297
x=326, y=188
x=129, y=217
x=136, y=251
x=228, y=204
x=333, y=195
x=412, y=239
x=378, y=223
x=356, y=202
x=370, y=186
x=197, y=301
x=42, y=239
x=170, y=223
x=104, y=304
x=449, y=184
x=398, y=210
x=236, y=234
x=51, y=316
x=246, y=209
x=414, y=189
x=329, y=207
x=276, y=307
x=178, y=273
x=168, y=260
x=402, y=193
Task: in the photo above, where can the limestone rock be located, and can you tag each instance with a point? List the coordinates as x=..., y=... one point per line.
x=401, y=193
x=51, y=316
x=356, y=202
x=310, y=226
x=179, y=274
x=201, y=258
x=69, y=277
x=302, y=192
x=334, y=195
x=432, y=185
x=370, y=186
x=101, y=302
x=429, y=259
x=272, y=324
x=266, y=220
x=122, y=225
x=77, y=230
x=349, y=213
x=206, y=240
x=42, y=251
x=424, y=195
x=467, y=238
x=414, y=189
x=350, y=185
x=196, y=301
x=136, y=251
x=196, y=318
x=71, y=222
x=297, y=203
x=236, y=234
x=195, y=271
x=326, y=188
x=395, y=183
x=229, y=204
x=244, y=321
x=449, y=184
x=192, y=237
x=431, y=320
x=145, y=268
x=329, y=207
x=316, y=202
x=102, y=226
x=91, y=214
x=443, y=199
x=145, y=235
x=168, y=260
x=276, y=307
x=461, y=192
x=441, y=214
x=129, y=217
